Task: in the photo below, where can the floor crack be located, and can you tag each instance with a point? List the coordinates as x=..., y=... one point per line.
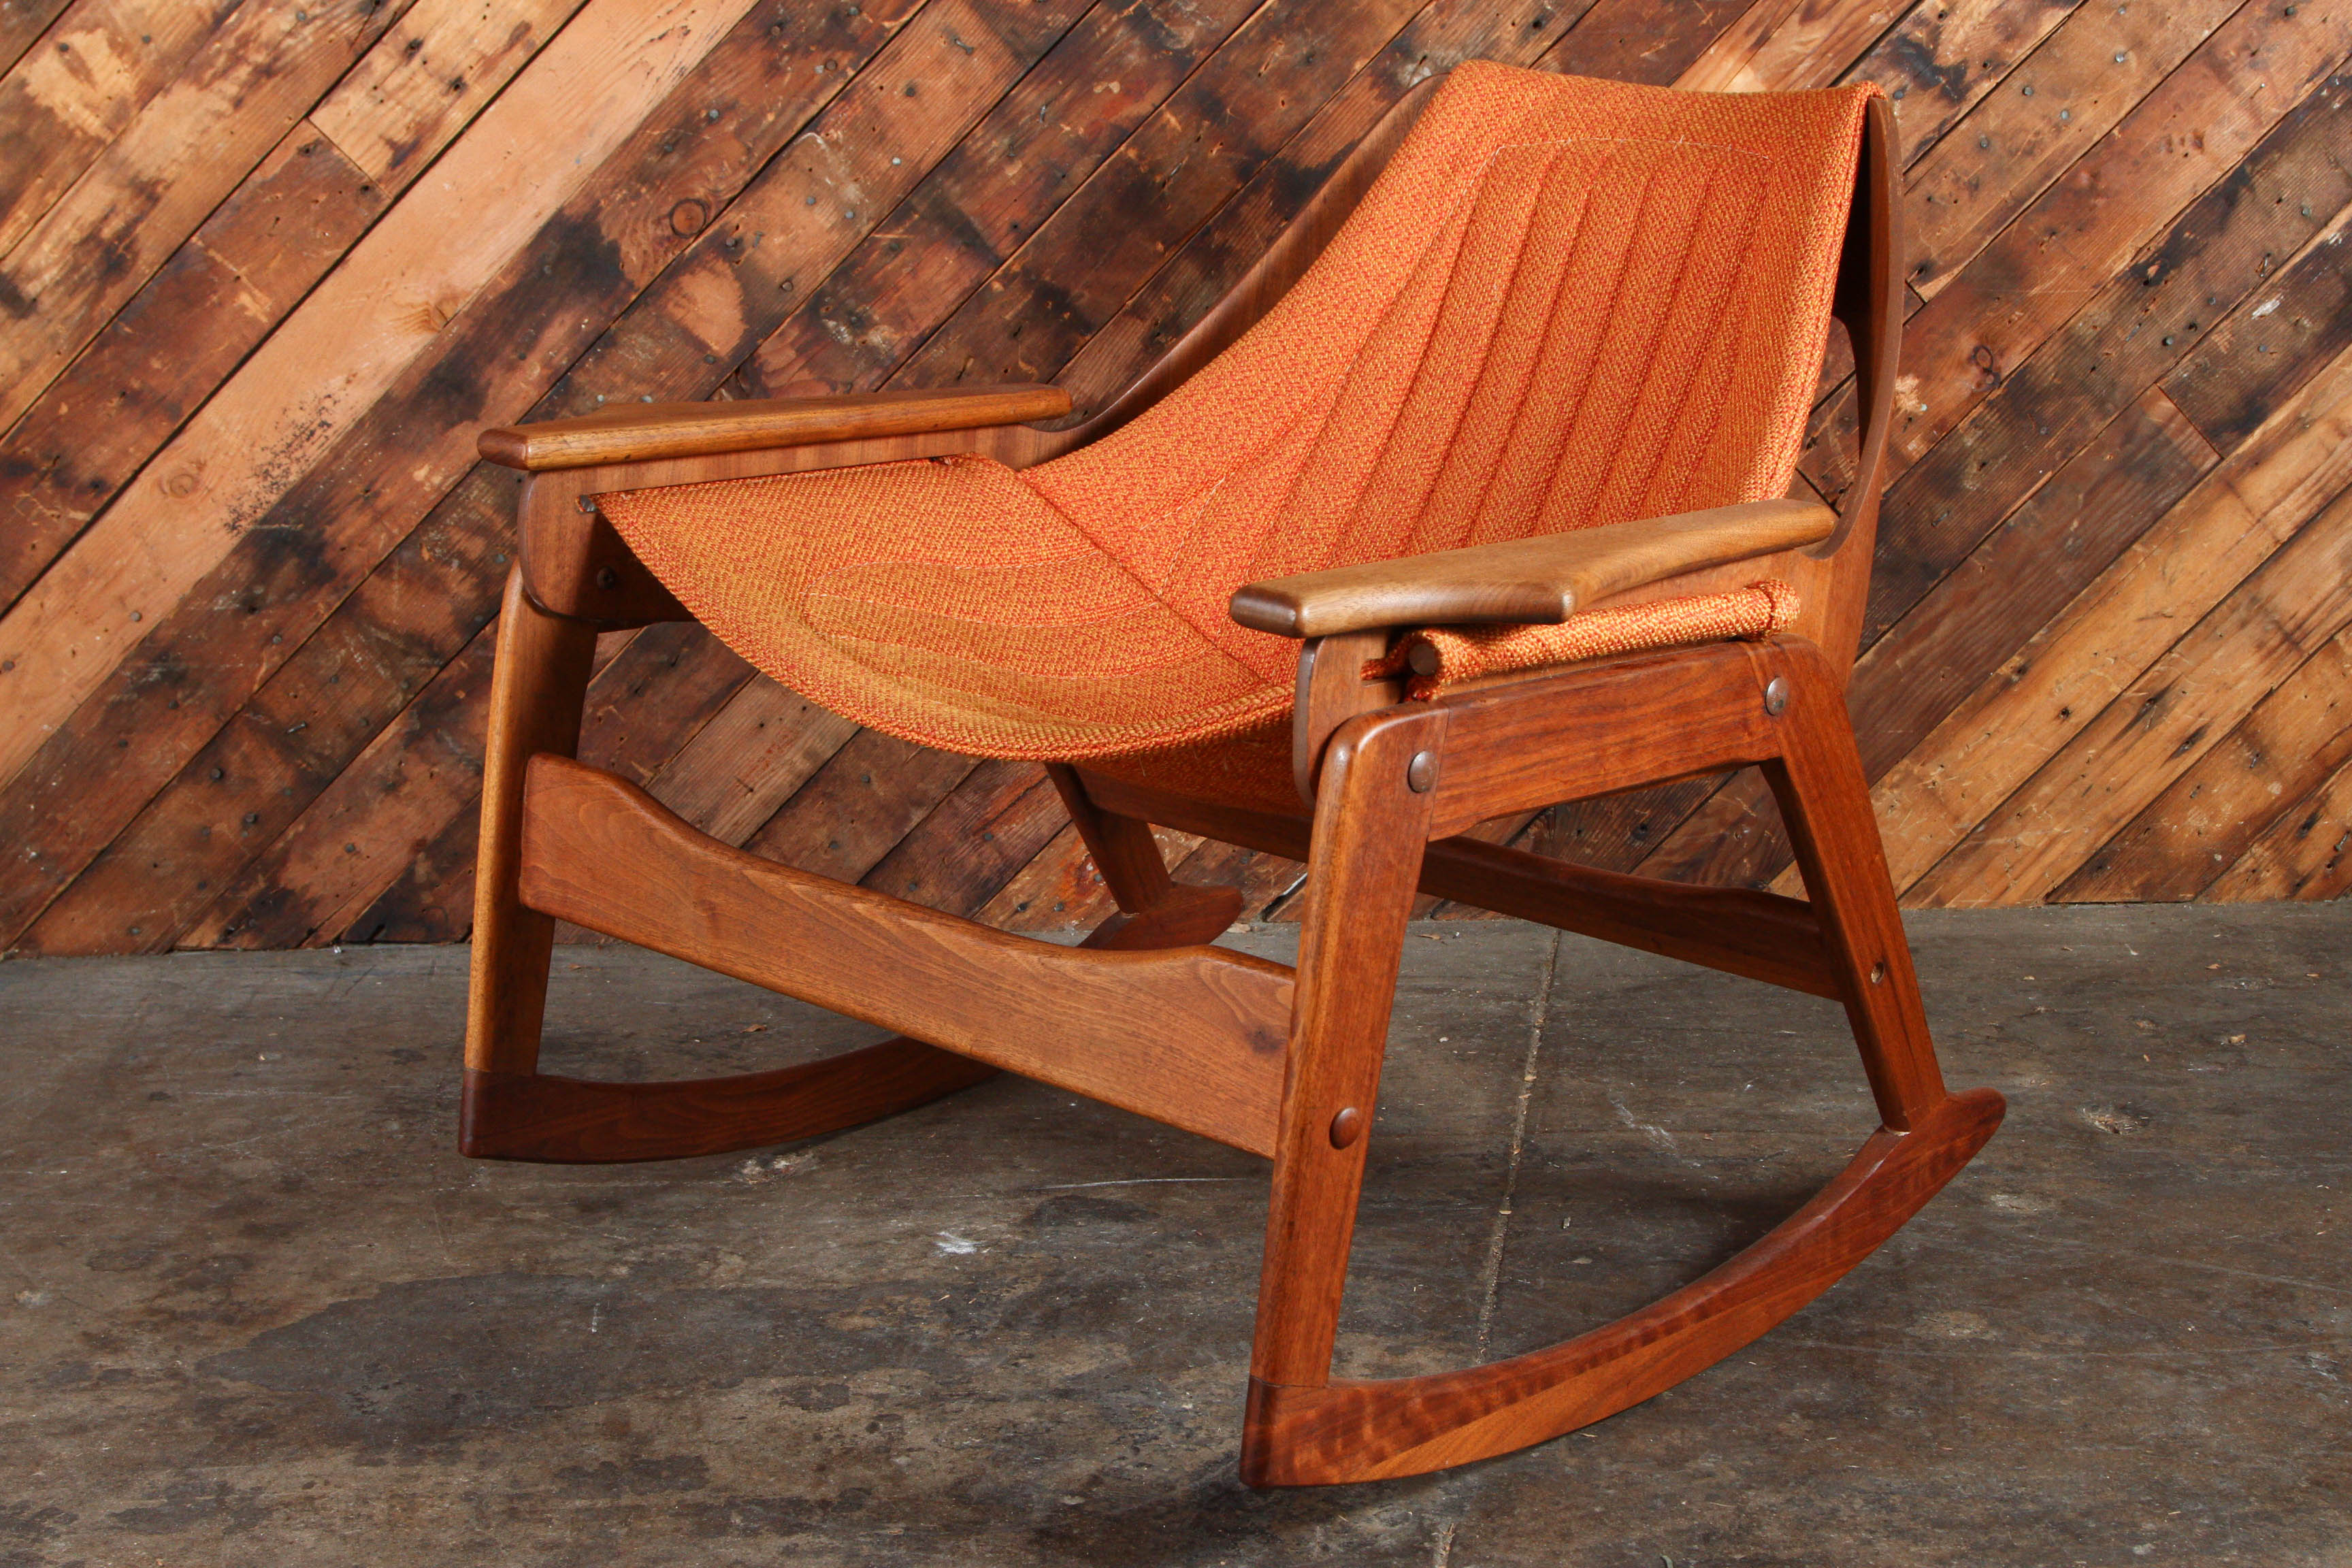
x=1492, y=1283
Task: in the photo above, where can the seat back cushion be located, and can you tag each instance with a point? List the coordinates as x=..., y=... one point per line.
x=1564, y=303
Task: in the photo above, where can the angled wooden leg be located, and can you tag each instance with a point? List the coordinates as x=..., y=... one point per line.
x=1133, y=869
x=538, y=690
x=511, y=1111
x=1304, y=1428
x=1370, y=826
x=1825, y=801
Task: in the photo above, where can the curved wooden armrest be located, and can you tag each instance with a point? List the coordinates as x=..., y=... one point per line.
x=1527, y=582
x=637, y=432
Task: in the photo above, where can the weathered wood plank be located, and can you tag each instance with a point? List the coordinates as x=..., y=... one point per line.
x=1189, y=158
x=337, y=522
x=22, y=23
x=2242, y=511
x=2133, y=332
x=2023, y=574
x=2302, y=854
x=395, y=111
x=431, y=898
x=2264, y=769
x=371, y=326
x=2298, y=321
x=1059, y=890
x=1941, y=59
x=1634, y=40
x=740, y=768
x=381, y=811
x=2053, y=108
x=1783, y=44
x=168, y=348
x=866, y=799
x=2157, y=726
x=2086, y=229
x=250, y=780
x=1114, y=67
x=971, y=844
x=754, y=265
x=63, y=102
x=232, y=101
x=249, y=263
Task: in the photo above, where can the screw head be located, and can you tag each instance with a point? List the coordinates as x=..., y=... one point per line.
x=1346, y=1127
x=1420, y=774
x=1776, y=695
x=607, y=579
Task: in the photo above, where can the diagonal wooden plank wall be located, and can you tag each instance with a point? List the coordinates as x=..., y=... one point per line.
x=264, y=270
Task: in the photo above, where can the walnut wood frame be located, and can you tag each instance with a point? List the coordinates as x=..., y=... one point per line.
x=1280, y=1062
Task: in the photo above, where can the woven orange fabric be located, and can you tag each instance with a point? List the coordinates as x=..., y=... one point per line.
x=1464, y=653
x=1564, y=302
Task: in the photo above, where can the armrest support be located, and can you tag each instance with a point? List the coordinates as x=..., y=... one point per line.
x=637, y=432
x=1527, y=582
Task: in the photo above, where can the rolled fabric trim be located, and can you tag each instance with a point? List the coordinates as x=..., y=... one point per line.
x=1439, y=657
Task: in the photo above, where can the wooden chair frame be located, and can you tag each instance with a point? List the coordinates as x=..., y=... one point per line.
x=1282, y=1063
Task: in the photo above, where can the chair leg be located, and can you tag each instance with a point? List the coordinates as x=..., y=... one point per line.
x=509, y=1110
x=538, y=691
x=1370, y=827
x=1825, y=801
x=1132, y=867
x=1304, y=1427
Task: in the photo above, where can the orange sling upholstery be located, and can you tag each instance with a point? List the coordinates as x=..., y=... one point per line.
x=1564, y=303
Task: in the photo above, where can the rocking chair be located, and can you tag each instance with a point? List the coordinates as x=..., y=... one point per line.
x=1466, y=501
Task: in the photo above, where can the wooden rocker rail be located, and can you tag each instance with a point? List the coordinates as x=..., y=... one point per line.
x=1193, y=1036
x=1357, y=1431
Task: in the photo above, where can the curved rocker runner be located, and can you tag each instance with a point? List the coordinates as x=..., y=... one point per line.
x=1468, y=499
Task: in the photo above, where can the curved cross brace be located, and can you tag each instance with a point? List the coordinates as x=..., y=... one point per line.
x=1357, y=1431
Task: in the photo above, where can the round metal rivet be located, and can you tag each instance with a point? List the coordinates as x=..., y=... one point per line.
x=1346, y=1127
x=1422, y=771
x=1776, y=695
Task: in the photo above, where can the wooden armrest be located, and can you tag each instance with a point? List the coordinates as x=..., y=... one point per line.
x=1527, y=582
x=637, y=432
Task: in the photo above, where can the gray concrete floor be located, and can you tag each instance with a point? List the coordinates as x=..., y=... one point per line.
x=256, y=1309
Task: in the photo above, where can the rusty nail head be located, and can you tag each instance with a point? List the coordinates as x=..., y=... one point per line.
x=1422, y=771
x=1346, y=1127
x=1776, y=695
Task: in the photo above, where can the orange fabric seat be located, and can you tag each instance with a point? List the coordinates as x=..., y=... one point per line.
x=1564, y=303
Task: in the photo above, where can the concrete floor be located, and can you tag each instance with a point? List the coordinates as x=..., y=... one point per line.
x=257, y=1311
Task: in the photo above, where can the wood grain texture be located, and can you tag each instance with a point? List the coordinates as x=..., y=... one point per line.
x=650, y=431
x=1541, y=580
x=249, y=563
x=1193, y=1036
